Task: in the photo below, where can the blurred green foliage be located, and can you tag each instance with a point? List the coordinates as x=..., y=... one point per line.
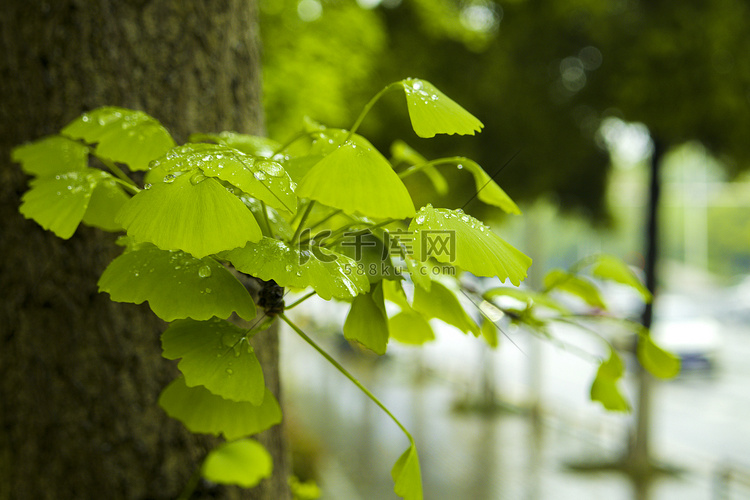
x=540, y=74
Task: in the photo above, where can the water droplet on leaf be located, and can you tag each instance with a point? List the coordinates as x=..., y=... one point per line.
x=197, y=178
x=204, y=271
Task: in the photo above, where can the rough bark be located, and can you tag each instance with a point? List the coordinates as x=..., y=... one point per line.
x=80, y=375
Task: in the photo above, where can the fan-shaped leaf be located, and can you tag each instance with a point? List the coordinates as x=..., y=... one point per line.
x=357, y=178
x=432, y=112
x=176, y=285
x=191, y=213
x=611, y=268
x=558, y=279
x=402, y=152
x=367, y=322
x=410, y=327
x=52, y=155
x=122, y=135
x=459, y=239
x=530, y=298
x=249, y=144
x=59, y=202
x=106, y=200
x=488, y=190
x=604, y=388
x=656, y=360
x=261, y=178
x=206, y=413
x=328, y=273
x=244, y=463
x=407, y=476
x=216, y=354
x=439, y=302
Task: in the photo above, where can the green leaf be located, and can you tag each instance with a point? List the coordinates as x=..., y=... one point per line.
x=489, y=333
x=528, y=297
x=456, y=238
x=122, y=135
x=244, y=463
x=402, y=152
x=656, y=360
x=191, y=213
x=611, y=268
x=407, y=476
x=328, y=273
x=488, y=190
x=106, y=200
x=432, y=112
x=216, y=354
x=441, y=303
x=410, y=327
x=357, y=178
x=604, y=388
x=176, y=285
x=557, y=279
x=367, y=322
x=370, y=254
x=261, y=178
x=58, y=203
x=206, y=413
x=52, y=155
x=249, y=144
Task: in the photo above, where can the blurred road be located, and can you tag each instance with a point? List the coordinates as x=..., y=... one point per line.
x=701, y=422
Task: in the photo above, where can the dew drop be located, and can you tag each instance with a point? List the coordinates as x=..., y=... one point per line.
x=204, y=271
x=197, y=178
x=271, y=168
x=259, y=175
x=147, y=186
x=208, y=290
x=288, y=268
x=460, y=167
x=419, y=219
x=230, y=371
x=169, y=178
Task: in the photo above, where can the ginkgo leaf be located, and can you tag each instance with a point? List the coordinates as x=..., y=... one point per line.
x=604, y=387
x=243, y=462
x=206, y=413
x=249, y=144
x=357, y=178
x=489, y=333
x=106, y=200
x=407, y=476
x=402, y=152
x=122, y=135
x=611, y=268
x=410, y=327
x=439, y=302
x=367, y=322
x=176, y=284
x=328, y=273
x=191, y=213
x=261, y=178
x=488, y=190
x=52, y=155
x=432, y=112
x=529, y=297
x=456, y=238
x=216, y=354
x=59, y=202
x=370, y=254
x=557, y=279
x=656, y=360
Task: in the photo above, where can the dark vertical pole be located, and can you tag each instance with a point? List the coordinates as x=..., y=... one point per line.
x=639, y=461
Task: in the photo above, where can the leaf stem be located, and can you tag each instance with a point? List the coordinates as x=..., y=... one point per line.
x=191, y=485
x=321, y=221
x=421, y=166
x=117, y=171
x=298, y=302
x=338, y=234
x=302, y=220
x=368, y=107
x=266, y=224
x=128, y=185
x=344, y=372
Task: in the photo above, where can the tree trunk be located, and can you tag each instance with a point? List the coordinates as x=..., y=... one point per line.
x=80, y=375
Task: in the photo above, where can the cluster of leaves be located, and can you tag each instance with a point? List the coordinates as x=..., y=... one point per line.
x=228, y=204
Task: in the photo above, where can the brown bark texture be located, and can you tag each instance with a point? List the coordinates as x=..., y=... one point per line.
x=80, y=375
